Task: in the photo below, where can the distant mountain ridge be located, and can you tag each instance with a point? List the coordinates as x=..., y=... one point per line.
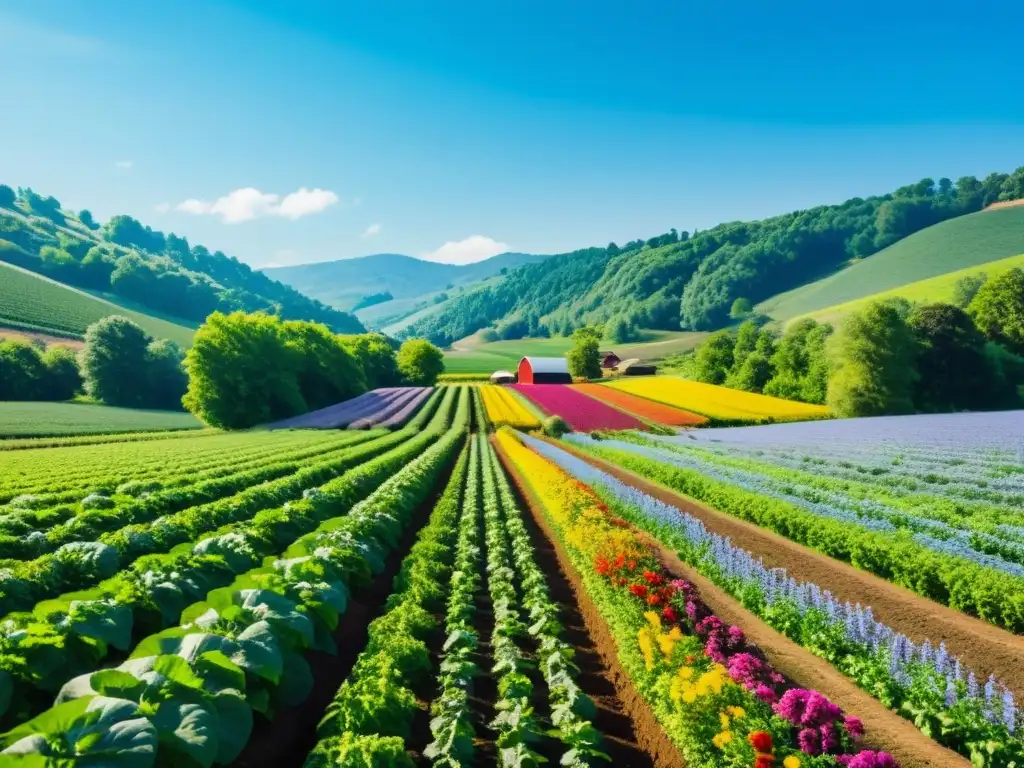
x=343, y=282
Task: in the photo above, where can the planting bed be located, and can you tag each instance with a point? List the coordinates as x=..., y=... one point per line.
x=579, y=411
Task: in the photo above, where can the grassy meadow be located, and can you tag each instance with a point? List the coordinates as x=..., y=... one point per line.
x=25, y=419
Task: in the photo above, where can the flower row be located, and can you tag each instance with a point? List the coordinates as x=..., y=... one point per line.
x=717, y=698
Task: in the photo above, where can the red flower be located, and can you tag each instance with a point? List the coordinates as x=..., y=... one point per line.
x=690, y=659
x=669, y=614
x=622, y=580
x=603, y=566
x=654, y=599
x=640, y=590
x=652, y=578
x=764, y=761
x=761, y=741
x=631, y=564
x=620, y=561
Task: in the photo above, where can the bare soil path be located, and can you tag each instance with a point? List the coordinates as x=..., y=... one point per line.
x=983, y=647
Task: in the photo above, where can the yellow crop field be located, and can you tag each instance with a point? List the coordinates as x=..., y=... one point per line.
x=504, y=408
x=719, y=403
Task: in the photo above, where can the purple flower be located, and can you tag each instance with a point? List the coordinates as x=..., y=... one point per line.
x=810, y=741
x=829, y=738
x=765, y=694
x=868, y=759
x=792, y=705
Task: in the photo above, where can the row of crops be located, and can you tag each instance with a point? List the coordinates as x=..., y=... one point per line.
x=415, y=597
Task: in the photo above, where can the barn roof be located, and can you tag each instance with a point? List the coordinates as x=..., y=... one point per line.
x=503, y=375
x=547, y=364
x=627, y=363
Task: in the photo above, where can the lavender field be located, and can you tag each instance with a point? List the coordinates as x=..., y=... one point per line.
x=384, y=407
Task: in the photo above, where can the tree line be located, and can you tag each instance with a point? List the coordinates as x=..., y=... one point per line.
x=162, y=272
x=890, y=357
x=242, y=370
x=690, y=280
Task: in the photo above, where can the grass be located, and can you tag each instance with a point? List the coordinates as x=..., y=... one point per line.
x=28, y=300
x=923, y=291
x=957, y=244
x=58, y=419
x=474, y=356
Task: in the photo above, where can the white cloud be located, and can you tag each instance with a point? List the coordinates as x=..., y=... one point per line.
x=471, y=249
x=162, y=208
x=373, y=229
x=124, y=165
x=250, y=203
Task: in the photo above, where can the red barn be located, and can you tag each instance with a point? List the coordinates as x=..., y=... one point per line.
x=609, y=360
x=544, y=370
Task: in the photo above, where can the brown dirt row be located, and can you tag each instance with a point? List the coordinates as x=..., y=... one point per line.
x=983, y=647
x=632, y=734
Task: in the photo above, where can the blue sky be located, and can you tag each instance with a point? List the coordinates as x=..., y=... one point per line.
x=288, y=132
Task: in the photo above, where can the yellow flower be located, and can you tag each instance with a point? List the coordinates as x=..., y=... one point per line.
x=724, y=720
x=646, y=646
x=654, y=620
x=721, y=739
x=736, y=711
x=685, y=673
x=791, y=762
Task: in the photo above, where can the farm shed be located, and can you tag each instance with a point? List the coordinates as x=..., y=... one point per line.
x=503, y=377
x=636, y=368
x=544, y=370
x=609, y=360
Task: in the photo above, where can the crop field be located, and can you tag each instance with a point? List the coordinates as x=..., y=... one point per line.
x=34, y=301
x=578, y=410
x=385, y=407
x=639, y=406
x=474, y=356
x=29, y=419
x=504, y=408
x=800, y=594
x=720, y=404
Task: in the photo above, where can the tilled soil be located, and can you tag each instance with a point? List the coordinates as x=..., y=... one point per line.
x=983, y=647
x=632, y=736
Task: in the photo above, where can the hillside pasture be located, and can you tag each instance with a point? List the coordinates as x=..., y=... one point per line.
x=934, y=289
x=58, y=419
x=36, y=303
x=956, y=244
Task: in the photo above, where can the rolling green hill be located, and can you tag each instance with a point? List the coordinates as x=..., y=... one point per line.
x=690, y=281
x=934, y=289
x=956, y=244
x=31, y=301
x=58, y=419
x=473, y=356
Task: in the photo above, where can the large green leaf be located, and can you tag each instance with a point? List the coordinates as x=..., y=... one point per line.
x=189, y=729
x=234, y=725
x=296, y=682
x=103, y=620
x=98, y=732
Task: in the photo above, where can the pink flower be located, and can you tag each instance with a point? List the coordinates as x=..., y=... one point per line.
x=854, y=726
x=765, y=694
x=829, y=738
x=868, y=759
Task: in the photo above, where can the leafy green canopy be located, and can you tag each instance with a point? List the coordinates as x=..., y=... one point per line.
x=420, y=362
x=585, y=356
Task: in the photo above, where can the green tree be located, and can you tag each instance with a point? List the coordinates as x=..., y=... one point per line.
x=377, y=358
x=872, y=356
x=814, y=384
x=85, y=216
x=753, y=374
x=585, y=356
x=952, y=370
x=7, y=196
x=790, y=362
x=21, y=371
x=330, y=372
x=741, y=308
x=966, y=288
x=420, y=362
x=241, y=372
x=620, y=329
x=713, y=359
x=62, y=379
x=998, y=309
x=113, y=362
x=96, y=268
x=165, y=375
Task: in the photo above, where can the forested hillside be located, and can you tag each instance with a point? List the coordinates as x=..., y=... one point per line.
x=691, y=281
x=162, y=272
